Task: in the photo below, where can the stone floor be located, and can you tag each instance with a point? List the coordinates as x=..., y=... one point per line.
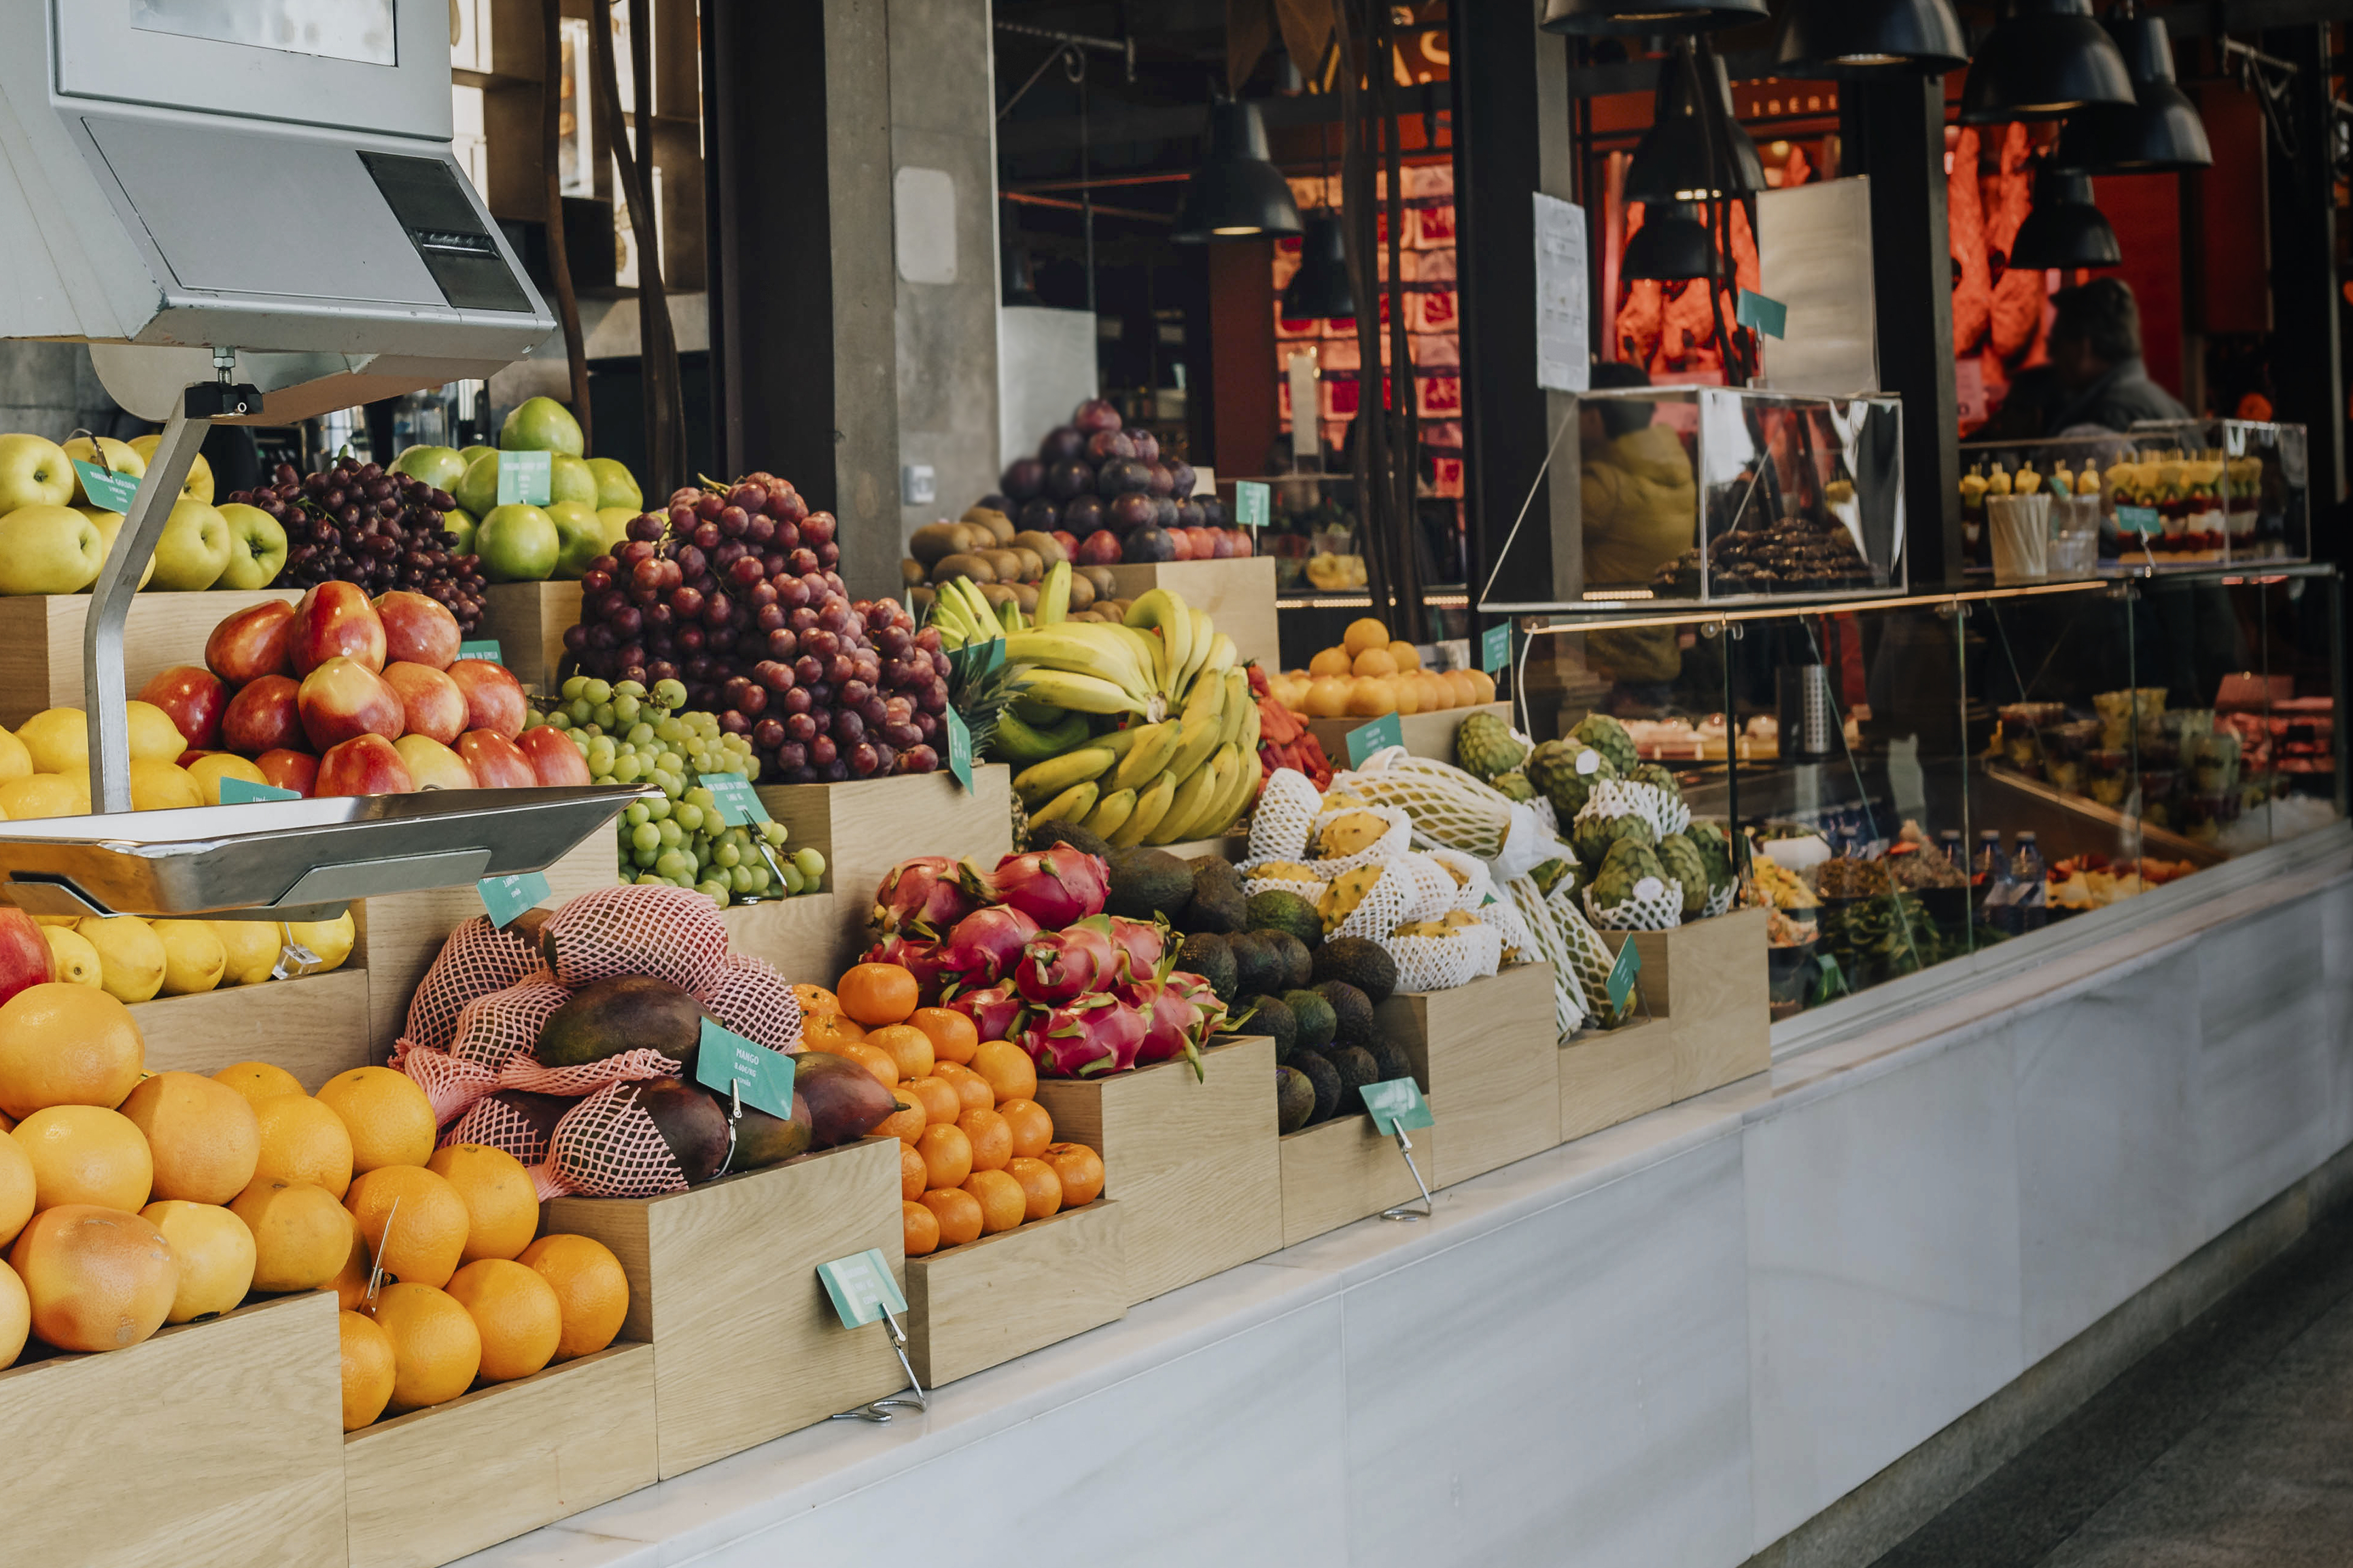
x=2231, y=1445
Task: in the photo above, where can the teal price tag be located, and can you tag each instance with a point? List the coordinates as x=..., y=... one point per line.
x=1496, y=648
x=738, y=802
x=959, y=748
x=1394, y=1103
x=242, y=792
x=1621, y=976
x=507, y=897
x=1253, y=504
x=1760, y=314
x=728, y=1064
x=1366, y=739
x=2138, y=519
x=861, y=1287
x=526, y=477
x=106, y=488
x=485, y=649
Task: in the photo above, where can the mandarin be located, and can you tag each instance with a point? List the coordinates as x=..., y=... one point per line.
x=948, y=1154
x=350, y=1282
x=1031, y=1126
x=1040, y=1188
x=1011, y=1073
x=1003, y=1202
x=952, y=1034
x=973, y=1091
x=874, y=1060
x=906, y=1125
x=990, y=1136
x=816, y=999
x=921, y=1226
x=878, y=993
x=909, y=1048
x=940, y=1100
x=1081, y=1169
x=958, y=1214
x=914, y=1173
x=829, y=1031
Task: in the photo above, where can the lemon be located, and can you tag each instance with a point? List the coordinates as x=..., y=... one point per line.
x=76, y=961
x=159, y=786
x=69, y=922
x=251, y=948
x=43, y=794
x=330, y=940
x=16, y=760
x=153, y=734
x=208, y=772
x=194, y=957
x=55, y=739
x=129, y=954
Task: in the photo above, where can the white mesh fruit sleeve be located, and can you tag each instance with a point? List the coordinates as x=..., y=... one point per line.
x=1288, y=804
x=1394, y=842
x=1474, y=883
x=670, y=933
x=1382, y=909
x=478, y=959
x=1655, y=905
x=1431, y=962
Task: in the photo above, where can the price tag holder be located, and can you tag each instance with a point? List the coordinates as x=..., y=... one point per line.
x=504, y=898
x=484, y=649
x=527, y=477
x=1253, y=504
x=1495, y=649
x=862, y=1291
x=1620, y=982
x=738, y=802
x=243, y=792
x=106, y=488
x=1366, y=739
x=1761, y=314
x=1395, y=1105
x=745, y=1071
x=959, y=748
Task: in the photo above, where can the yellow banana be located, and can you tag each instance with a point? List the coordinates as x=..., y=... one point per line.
x=1150, y=656
x=1072, y=806
x=1204, y=632
x=1148, y=755
x=1079, y=693
x=1166, y=612
x=977, y=608
x=1242, y=781
x=1238, y=706
x=1150, y=807
x=1222, y=768
x=1044, y=780
x=1084, y=648
x=1204, y=727
x=1192, y=799
x=1111, y=812
x=1054, y=598
x=1221, y=655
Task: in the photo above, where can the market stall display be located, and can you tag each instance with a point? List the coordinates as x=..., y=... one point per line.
x=1369, y=673
x=1107, y=492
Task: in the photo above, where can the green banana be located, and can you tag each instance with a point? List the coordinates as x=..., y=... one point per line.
x=1148, y=755
x=1111, y=812
x=1192, y=797
x=1081, y=693
x=1044, y=780
x=1038, y=715
x=1165, y=612
x=1018, y=742
x=1151, y=807
x=1072, y=806
x=1054, y=598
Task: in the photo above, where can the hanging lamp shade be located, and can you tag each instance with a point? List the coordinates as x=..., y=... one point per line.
x=2064, y=228
x=1320, y=290
x=1872, y=38
x=1672, y=245
x=2045, y=59
x=1670, y=163
x=1591, y=17
x=2161, y=132
x=1237, y=193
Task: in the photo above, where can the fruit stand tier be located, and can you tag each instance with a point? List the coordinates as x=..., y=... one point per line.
x=1611, y=1075
x=1338, y=1172
x=1236, y=593
x=528, y=621
x=981, y=1304
x=1702, y=981
x=1423, y=734
x=40, y=641
x=1485, y=1055
x=314, y=1026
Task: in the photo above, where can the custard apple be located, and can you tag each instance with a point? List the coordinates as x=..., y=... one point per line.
x=1608, y=737
x=1487, y=747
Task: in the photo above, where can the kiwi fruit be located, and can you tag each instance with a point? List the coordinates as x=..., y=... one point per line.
x=1033, y=565
x=961, y=564
x=998, y=594
x=913, y=571
x=935, y=542
x=1082, y=593
x=1045, y=546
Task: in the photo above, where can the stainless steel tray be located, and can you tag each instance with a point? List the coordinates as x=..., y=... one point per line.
x=294, y=859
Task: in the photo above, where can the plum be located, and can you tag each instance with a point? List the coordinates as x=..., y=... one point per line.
x=1158, y=478
x=1040, y=515
x=1150, y=545
x=1095, y=413
x=1105, y=445
x=1147, y=445
x=1068, y=477
x=1082, y=514
x=1061, y=443
x=1188, y=514
x=1131, y=511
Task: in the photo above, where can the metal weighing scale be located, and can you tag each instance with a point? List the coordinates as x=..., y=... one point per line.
x=250, y=211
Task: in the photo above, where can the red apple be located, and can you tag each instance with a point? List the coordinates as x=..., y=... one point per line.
x=418, y=630
x=430, y=703
x=1221, y=544
x=1244, y=544
x=1100, y=548
x=297, y=770
x=1068, y=542
x=343, y=698
x=494, y=699
x=1180, y=544
x=553, y=757
x=432, y=765
x=335, y=620
x=364, y=765
x=24, y=958
x=263, y=716
x=1205, y=542
x=252, y=643
x=497, y=762
x=195, y=698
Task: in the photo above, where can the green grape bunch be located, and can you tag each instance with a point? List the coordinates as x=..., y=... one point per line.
x=627, y=734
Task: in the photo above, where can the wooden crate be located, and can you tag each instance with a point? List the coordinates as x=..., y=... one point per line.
x=980, y=1305
x=1337, y=1172
x=800, y=936
x=1233, y=846
x=1193, y=1162
x=315, y=1027
x=1615, y=1075
x=1424, y=735
x=214, y=1445
x=1238, y=595
x=1486, y=1056
x=1707, y=982
x=40, y=642
x=529, y=620
x=723, y=1283
x=431, y=1486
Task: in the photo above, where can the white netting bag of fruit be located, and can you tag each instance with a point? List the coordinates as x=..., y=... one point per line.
x=1282, y=821
x=1253, y=885
x=1652, y=904
x=1474, y=883
x=1432, y=963
x=1720, y=900
x=1451, y=809
x=478, y=959
x=1568, y=989
x=514, y=1120
x=1623, y=797
x=1486, y=944
x=670, y=933
x=609, y=1146
x=1516, y=943
x=1435, y=889
x=1347, y=837
x=1374, y=897
x=751, y=999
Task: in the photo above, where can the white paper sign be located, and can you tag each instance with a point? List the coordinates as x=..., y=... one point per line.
x=1563, y=352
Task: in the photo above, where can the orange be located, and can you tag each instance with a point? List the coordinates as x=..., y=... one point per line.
x=940, y=1100
x=65, y=1044
x=874, y=1060
x=1032, y=1128
x=1364, y=632
x=590, y=1286
x=86, y=1154
x=302, y=1235
x=204, y=1136
x=829, y=1031
x=502, y=1209
x=1406, y=655
x=952, y=1035
x=1373, y=661
x=1330, y=661
x=816, y=999
x=915, y=1171
x=16, y=1316
x=436, y=1349
x=1011, y=1073
x=991, y=1139
x=878, y=994
x=1042, y=1190
x=1405, y=691
x=1003, y=1202
x=910, y=1047
x=258, y=1082
x=367, y=1369
x=303, y=1141
x=515, y=1312
x=923, y=1227
x=1082, y=1170
x=97, y=1279
x=350, y=1282
x=421, y=1242
x=958, y=1214
x=214, y=1252
x=19, y=1191
x=972, y=1090
x=388, y=1117
x=905, y=1125
x=947, y=1155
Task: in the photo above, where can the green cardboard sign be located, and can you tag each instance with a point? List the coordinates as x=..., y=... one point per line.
x=737, y=802
x=1495, y=649
x=1760, y=314
x=485, y=649
x=526, y=477
x=106, y=488
x=507, y=897
x=1253, y=504
x=2138, y=519
x=1394, y=1103
x=860, y=1286
x=959, y=748
x=1366, y=739
x=726, y=1062
x=242, y=792
x=1622, y=975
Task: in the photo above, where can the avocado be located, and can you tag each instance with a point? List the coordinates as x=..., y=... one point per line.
x=1276, y=910
x=1219, y=900
x=762, y=1140
x=1208, y=956
x=845, y=1101
x=538, y=1113
x=1298, y=964
x=1362, y=964
x=1390, y=1057
x=1046, y=835
x=1294, y=1100
x=1312, y=1017
x=606, y=1017
x=1324, y=1077
x=1352, y=1013
x=1270, y=1018
x=691, y=1122
x=1148, y=882
x=1259, y=964
x=1356, y=1068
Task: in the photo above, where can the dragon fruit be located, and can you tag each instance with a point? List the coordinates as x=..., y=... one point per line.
x=926, y=896
x=1213, y=1018
x=920, y=959
x=1141, y=944
x=1091, y=1036
x=996, y=1012
x=985, y=946
x=1056, y=887
x=1170, y=1022
x=1061, y=966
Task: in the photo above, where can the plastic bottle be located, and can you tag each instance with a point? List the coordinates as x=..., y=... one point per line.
x=1949, y=845
x=1990, y=883
x=2030, y=885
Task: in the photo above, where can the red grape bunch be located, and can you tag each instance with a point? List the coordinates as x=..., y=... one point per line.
x=356, y=522
x=734, y=593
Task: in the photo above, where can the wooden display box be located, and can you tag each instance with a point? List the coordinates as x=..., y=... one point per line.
x=799, y=935
x=315, y=1027
x=1425, y=735
x=214, y=1445
x=1233, y=846
x=40, y=641
x=1337, y=1172
x=436, y=1484
x=529, y=620
x=1238, y=595
x=980, y=1305
x=1608, y=1075
x=1193, y=1162
x=1486, y=1055
x=1707, y=982
x=722, y=1284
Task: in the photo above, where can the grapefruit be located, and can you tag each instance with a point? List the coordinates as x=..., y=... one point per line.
x=390, y=1119
x=302, y=1235
x=436, y=1349
x=16, y=1316
x=202, y=1135
x=258, y=1082
x=65, y=1044
x=97, y=1279
x=591, y=1289
x=516, y=1313
x=215, y=1256
x=86, y=1154
x=423, y=1240
x=303, y=1141
x=501, y=1209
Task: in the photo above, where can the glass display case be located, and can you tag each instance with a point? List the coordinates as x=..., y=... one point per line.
x=1913, y=782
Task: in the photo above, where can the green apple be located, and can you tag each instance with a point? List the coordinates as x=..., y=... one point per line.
x=617, y=520
x=518, y=544
x=541, y=424
x=477, y=490
x=258, y=547
x=197, y=486
x=616, y=486
x=108, y=524
x=470, y=453
x=569, y=478
x=194, y=549
x=583, y=532
x=440, y=466
x=47, y=549
x=107, y=452
x=461, y=522
x=33, y=472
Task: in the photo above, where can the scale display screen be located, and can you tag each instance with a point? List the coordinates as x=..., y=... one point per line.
x=359, y=31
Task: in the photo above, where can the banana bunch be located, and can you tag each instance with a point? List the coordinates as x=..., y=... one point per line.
x=1144, y=732
x=964, y=616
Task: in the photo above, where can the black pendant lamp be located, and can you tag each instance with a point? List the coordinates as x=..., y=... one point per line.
x=1872, y=38
x=1237, y=193
x=2044, y=60
x=1670, y=163
x=2161, y=132
x=2064, y=228
x=1670, y=245
x=1320, y=290
x=1593, y=17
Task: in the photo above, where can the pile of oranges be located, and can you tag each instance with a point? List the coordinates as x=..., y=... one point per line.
x=977, y=1151
x=1369, y=674
x=134, y=1199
